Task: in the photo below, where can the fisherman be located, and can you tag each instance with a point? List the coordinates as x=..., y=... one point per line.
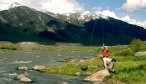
x=108, y=63
x=105, y=51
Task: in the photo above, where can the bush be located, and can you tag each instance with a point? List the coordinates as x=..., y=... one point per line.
x=136, y=45
x=125, y=52
x=10, y=47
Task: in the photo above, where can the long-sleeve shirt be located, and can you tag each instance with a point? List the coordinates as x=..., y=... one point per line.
x=105, y=52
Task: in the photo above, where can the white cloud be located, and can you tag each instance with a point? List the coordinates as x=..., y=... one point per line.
x=133, y=21
x=62, y=6
x=55, y=6
x=132, y=5
x=142, y=23
x=128, y=19
x=97, y=8
x=125, y=18
x=72, y=6
x=110, y=13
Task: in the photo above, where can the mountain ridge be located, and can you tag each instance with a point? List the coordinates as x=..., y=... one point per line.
x=27, y=21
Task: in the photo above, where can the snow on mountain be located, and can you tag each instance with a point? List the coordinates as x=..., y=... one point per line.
x=79, y=17
x=15, y=4
x=7, y=6
x=91, y=15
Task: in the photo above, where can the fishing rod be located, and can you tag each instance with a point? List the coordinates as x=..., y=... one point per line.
x=92, y=33
x=102, y=33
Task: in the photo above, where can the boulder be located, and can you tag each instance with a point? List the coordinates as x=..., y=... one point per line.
x=140, y=54
x=98, y=76
x=23, y=78
x=23, y=68
x=38, y=68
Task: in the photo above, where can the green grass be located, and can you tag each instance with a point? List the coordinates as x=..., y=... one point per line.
x=8, y=46
x=130, y=69
x=71, y=68
x=36, y=46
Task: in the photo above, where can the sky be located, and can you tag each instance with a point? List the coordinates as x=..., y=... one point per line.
x=131, y=11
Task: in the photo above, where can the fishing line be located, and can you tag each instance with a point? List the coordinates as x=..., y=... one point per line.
x=92, y=33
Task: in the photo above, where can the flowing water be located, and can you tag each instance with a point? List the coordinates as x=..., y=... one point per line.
x=10, y=60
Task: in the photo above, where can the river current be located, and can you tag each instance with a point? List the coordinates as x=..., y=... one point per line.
x=10, y=60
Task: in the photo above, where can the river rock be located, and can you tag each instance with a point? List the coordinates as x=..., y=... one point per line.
x=77, y=74
x=92, y=59
x=98, y=76
x=23, y=68
x=140, y=54
x=23, y=78
x=38, y=67
x=81, y=61
x=73, y=61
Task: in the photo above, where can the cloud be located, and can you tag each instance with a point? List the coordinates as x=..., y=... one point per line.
x=133, y=21
x=97, y=8
x=72, y=6
x=128, y=19
x=110, y=14
x=132, y=5
x=5, y=4
x=62, y=6
x=125, y=18
x=142, y=23
x=55, y=6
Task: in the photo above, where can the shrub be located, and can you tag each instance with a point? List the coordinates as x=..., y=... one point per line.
x=136, y=45
x=125, y=52
x=10, y=47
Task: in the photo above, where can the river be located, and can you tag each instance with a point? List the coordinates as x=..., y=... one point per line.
x=10, y=60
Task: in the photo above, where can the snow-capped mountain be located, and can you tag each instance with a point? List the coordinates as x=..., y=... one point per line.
x=7, y=6
x=79, y=18
x=15, y=4
x=91, y=15
x=75, y=28
x=86, y=16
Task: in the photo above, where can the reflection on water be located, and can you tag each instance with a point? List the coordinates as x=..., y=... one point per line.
x=23, y=62
x=10, y=60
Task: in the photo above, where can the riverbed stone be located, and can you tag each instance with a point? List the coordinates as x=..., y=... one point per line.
x=63, y=82
x=73, y=61
x=82, y=61
x=77, y=74
x=23, y=68
x=98, y=76
x=23, y=78
x=92, y=59
x=140, y=54
x=38, y=67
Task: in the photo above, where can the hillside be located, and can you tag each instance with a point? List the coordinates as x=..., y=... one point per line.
x=26, y=24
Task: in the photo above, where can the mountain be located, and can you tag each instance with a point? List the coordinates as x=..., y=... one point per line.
x=26, y=24
x=15, y=4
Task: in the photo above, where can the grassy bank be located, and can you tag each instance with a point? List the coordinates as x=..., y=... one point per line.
x=8, y=46
x=130, y=69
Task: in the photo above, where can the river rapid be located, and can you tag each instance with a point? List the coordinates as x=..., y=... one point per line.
x=10, y=60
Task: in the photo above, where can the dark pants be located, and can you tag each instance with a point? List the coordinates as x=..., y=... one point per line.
x=105, y=56
x=110, y=67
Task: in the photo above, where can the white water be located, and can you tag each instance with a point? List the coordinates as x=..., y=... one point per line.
x=10, y=60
